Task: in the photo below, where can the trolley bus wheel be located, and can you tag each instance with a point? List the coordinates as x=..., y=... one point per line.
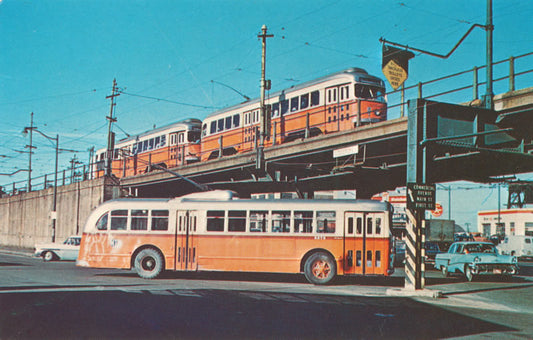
x=320, y=269
x=148, y=263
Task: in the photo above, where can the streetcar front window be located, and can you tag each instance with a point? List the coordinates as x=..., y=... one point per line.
x=193, y=136
x=376, y=93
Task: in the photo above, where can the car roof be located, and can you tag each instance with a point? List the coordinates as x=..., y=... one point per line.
x=474, y=242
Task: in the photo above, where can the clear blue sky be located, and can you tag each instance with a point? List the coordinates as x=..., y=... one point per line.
x=59, y=58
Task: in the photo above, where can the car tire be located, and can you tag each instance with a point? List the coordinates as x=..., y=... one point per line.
x=469, y=276
x=320, y=268
x=148, y=263
x=49, y=256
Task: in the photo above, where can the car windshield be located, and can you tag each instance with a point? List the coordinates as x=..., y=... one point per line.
x=479, y=248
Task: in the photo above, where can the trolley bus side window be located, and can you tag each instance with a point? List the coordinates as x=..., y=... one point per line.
x=303, y=221
x=325, y=221
x=139, y=220
x=281, y=221
x=159, y=220
x=119, y=219
x=237, y=220
x=258, y=221
x=215, y=220
x=101, y=224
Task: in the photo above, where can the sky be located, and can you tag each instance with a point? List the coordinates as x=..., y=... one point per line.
x=169, y=58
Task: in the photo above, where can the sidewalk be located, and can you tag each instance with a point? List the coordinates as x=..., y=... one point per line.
x=16, y=250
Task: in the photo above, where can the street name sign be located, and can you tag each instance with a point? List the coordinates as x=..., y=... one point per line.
x=420, y=196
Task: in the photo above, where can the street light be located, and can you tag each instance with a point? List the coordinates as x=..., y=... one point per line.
x=54, y=207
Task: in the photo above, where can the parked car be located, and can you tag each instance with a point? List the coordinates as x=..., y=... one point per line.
x=399, y=252
x=68, y=250
x=475, y=258
x=432, y=249
x=520, y=246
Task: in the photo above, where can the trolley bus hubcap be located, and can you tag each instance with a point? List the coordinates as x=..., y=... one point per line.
x=148, y=263
x=321, y=269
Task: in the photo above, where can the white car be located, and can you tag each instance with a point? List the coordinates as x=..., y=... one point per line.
x=68, y=250
x=517, y=245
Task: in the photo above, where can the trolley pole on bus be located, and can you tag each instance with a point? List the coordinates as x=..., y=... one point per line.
x=110, y=134
x=264, y=125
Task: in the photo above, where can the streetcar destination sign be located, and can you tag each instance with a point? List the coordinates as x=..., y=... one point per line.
x=420, y=196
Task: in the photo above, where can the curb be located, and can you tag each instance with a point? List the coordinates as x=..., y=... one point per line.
x=15, y=252
x=409, y=292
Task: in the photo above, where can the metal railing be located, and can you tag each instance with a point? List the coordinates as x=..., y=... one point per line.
x=460, y=83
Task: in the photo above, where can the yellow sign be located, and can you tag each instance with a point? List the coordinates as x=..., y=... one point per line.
x=395, y=74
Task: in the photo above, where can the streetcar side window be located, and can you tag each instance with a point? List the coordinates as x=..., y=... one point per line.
x=294, y=104
x=284, y=106
x=215, y=220
x=102, y=222
x=236, y=120
x=275, y=110
x=315, y=98
x=304, y=101
x=228, y=123
x=119, y=219
x=303, y=221
x=159, y=219
x=213, y=128
x=220, y=125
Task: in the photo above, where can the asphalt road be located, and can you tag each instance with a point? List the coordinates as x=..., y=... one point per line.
x=60, y=301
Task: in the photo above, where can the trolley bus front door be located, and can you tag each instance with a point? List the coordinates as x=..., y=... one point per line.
x=186, y=245
x=362, y=243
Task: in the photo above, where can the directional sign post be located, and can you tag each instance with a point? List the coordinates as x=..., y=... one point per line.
x=420, y=196
x=395, y=65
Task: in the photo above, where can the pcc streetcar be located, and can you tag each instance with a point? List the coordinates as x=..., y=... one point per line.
x=216, y=231
x=168, y=146
x=337, y=102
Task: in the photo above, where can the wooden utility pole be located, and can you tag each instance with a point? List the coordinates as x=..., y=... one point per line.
x=110, y=134
x=264, y=120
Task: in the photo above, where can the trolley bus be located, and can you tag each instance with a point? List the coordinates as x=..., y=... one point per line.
x=217, y=231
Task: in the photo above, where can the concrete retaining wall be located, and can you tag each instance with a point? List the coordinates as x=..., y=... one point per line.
x=25, y=218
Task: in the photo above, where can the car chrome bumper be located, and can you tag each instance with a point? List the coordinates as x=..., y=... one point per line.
x=490, y=269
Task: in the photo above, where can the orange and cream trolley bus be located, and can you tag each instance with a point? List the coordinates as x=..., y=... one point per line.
x=216, y=231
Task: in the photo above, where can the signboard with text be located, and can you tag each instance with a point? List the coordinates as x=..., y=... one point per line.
x=420, y=196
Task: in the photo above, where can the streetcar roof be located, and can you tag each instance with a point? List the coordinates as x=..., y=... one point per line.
x=184, y=122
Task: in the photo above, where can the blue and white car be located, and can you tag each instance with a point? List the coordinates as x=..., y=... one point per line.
x=68, y=250
x=475, y=258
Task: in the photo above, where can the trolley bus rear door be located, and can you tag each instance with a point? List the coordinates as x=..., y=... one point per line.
x=186, y=245
x=363, y=253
